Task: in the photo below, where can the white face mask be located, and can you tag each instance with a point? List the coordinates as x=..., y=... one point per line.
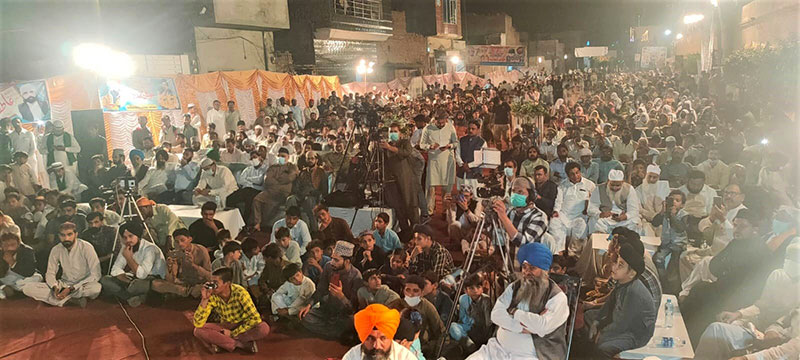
x=255, y=162
x=412, y=300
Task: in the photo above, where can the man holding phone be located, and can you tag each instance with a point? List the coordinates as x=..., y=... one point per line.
x=188, y=266
x=240, y=324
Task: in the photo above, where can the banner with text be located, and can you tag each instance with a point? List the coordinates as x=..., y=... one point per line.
x=653, y=57
x=28, y=101
x=139, y=94
x=496, y=55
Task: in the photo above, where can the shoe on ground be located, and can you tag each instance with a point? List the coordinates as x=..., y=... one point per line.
x=78, y=302
x=251, y=347
x=215, y=349
x=135, y=301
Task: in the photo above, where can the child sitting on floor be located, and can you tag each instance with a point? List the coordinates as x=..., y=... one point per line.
x=291, y=251
x=294, y=294
x=474, y=326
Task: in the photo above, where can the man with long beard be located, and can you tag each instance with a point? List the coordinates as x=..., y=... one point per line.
x=376, y=326
x=612, y=204
x=652, y=193
x=531, y=313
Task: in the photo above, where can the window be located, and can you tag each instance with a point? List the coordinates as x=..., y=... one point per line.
x=450, y=11
x=364, y=9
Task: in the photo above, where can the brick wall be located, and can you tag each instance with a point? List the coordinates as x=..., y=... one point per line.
x=402, y=50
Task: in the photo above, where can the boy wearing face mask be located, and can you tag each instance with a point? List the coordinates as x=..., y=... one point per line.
x=432, y=326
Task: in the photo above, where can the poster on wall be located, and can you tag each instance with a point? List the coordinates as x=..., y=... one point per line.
x=139, y=94
x=653, y=57
x=496, y=55
x=27, y=100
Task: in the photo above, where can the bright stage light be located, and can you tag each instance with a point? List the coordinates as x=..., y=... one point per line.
x=764, y=141
x=566, y=56
x=455, y=59
x=679, y=36
x=103, y=60
x=539, y=59
x=715, y=3
x=693, y=18
x=667, y=32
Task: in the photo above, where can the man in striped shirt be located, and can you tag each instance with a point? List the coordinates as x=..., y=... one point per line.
x=240, y=324
x=523, y=222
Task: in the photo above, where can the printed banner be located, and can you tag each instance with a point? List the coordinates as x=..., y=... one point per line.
x=653, y=57
x=139, y=94
x=496, y=55
x=27, y=101
x=591, y=51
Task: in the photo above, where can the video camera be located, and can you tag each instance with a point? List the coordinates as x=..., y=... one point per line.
x=127, y=184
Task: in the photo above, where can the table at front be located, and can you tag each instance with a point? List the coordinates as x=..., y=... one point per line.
x=677, y=332
x=232, y=219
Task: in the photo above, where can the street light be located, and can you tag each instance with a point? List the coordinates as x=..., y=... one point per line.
x=539, y=60
x=566, y=57
x=693, y=18
x=715, y=3
x=679, y=36
x=455, y=60
x=667, y=32
x=364, y=68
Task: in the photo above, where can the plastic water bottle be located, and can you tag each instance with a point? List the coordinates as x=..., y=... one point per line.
x=669, y=313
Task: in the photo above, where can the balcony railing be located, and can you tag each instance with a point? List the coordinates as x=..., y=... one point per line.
x=362, y=9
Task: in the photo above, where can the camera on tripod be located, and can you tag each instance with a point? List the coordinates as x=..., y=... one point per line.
x=127, y=184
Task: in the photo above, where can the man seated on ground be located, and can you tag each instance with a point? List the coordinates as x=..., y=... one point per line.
x=188, y=267
x=80, y=272
x=272, y=277
x=612, y=204
x=216, y=183
x=252, y=262
x=463, y=213
x=161, y=220
x=65, y=181
x=17, y=265
x=205, y=229
x=429, y=255
x=652, y=193
x=138, y=263
x=315, y=261
x=385, y=238
x=734, y=330
x=278, y=182
x=569, y=219
x=336, y=295
x=251, y=182
x=110, y=217
x=440, y=300
x=298, y=229
x=531, y=314
x=432, y=325
x=332, y=229
x=627, y=319
x=294, y=294
x=367, y=255
x=376, y=326
x=240, y=324
x=373, y=292
x=474, y=326
x=102, y=238
x=231, y=253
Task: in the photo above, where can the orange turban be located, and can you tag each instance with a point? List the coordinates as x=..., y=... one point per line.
x=376, y=316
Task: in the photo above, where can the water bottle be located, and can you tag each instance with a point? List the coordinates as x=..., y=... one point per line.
x=669, y=313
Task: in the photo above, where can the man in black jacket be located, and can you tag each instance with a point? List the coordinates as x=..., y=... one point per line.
x=546, y=190
x=17, y=265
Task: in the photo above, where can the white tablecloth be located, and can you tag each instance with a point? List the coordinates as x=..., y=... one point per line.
x=362, y=219
x=677, y=332
x=232, y=219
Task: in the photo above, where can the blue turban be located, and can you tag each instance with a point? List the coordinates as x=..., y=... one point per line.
x=136, y=152
x=536, y=254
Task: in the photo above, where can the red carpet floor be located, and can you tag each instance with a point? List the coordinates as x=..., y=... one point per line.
x=31, y=330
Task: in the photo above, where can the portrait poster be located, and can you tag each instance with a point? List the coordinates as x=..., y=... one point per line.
x=25, y=100
x=139, y=94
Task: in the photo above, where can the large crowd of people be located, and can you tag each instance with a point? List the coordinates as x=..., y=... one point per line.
x=631, y=156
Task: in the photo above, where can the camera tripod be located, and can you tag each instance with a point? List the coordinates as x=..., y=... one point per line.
x=129, y=204
x=373, y=160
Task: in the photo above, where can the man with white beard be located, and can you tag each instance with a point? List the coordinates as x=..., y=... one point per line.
x=652, y=193
x=612, y=204
x=531, y=314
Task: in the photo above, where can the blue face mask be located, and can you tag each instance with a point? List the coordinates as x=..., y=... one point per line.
x=508, y=171
x=519, y=200
x=780, y=227
x=393, y=136
x=281, y=160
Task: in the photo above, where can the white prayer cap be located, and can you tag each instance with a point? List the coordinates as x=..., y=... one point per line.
x=652, y=168
x=206, y=162
x=669, y=139
x=585, y=152
x=616, y=175
x=58, y=124
x=190, y=106
x=343, y=248
x=584, y=144
x=56, y=165
x=568, y=121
